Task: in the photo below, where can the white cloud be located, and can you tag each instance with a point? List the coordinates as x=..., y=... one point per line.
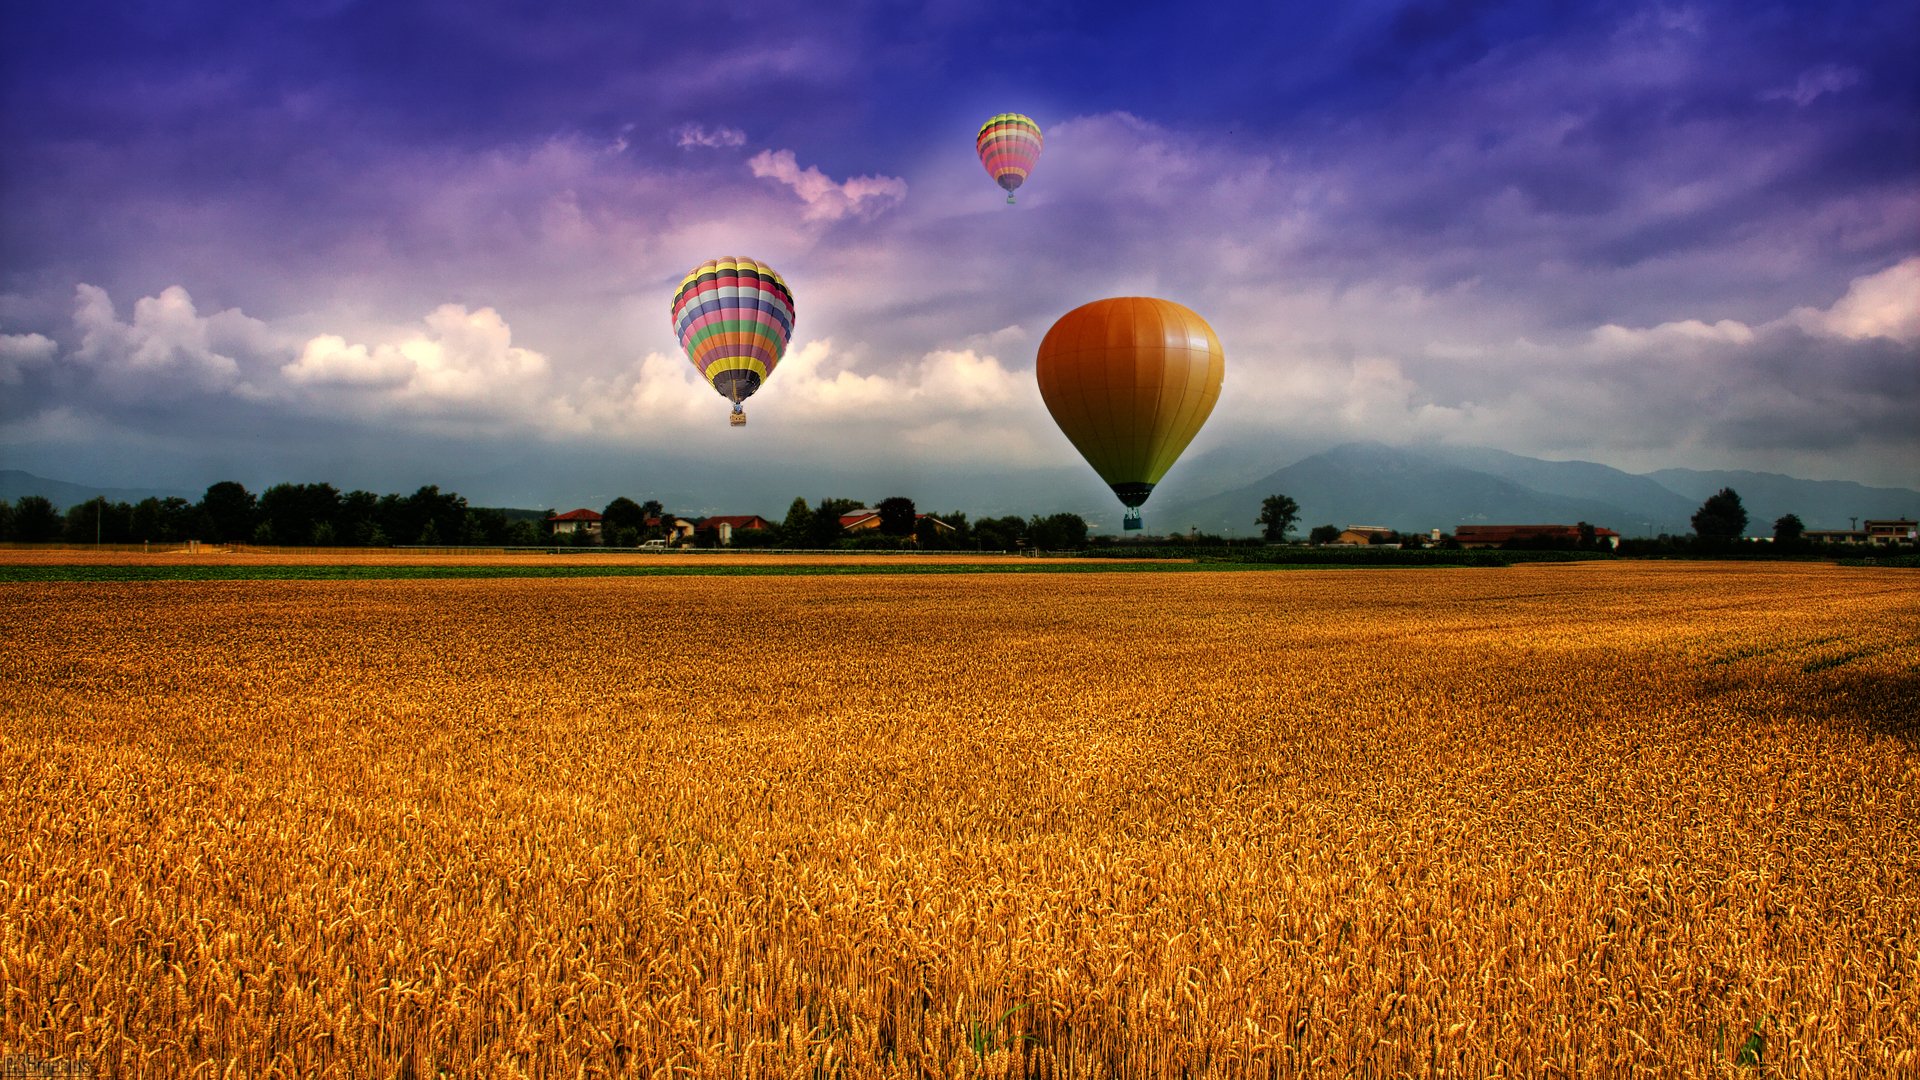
x=329, y=360
x=1686, y=332
x=461, y=361
x=861, y=196
x=18, y=352
x=169, y=350
x=1885, y=304
x=694, y=136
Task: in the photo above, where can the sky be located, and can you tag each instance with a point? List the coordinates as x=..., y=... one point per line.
x=386, y=244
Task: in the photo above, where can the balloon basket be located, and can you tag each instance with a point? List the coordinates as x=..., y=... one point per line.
x=736, y=418
x=1131, y=522
x=1009, y=200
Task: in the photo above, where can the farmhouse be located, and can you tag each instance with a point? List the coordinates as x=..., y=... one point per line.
x=1488, y=536
x=575, y=521
x=1893, y=531
x=677, y=528
x=1363, y=535
x=721, y=527
x=868, y=519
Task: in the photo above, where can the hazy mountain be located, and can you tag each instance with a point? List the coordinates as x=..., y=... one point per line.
x=15, y=484
x=1405, y=489
x=1644, y=504
x=1428, y=487
x=1820, y=504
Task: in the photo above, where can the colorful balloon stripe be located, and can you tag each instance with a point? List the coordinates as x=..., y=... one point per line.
x=734, y=317
x=1009, y=145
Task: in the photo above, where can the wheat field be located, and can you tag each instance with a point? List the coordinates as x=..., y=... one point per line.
x=1548, y=820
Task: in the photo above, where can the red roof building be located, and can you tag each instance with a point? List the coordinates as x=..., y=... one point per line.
x=582, y=520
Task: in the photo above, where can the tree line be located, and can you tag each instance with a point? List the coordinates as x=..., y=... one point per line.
x=320, y=515
x=317, y=515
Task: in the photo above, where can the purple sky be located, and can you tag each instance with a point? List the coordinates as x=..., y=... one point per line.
x=388, y=244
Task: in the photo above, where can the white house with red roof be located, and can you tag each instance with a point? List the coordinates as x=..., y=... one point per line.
x=575, y=521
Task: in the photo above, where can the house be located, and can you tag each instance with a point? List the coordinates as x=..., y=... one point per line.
x=575, y=521
x=867, y=519
x=861, y=520
x=678, y=529
x=1893, y=531
x=721, y=527
x=1493, y=536
x=1363, y=535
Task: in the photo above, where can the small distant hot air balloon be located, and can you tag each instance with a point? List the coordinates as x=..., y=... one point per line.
x=1130, y=381
x=1009, y=144
x=733, y=317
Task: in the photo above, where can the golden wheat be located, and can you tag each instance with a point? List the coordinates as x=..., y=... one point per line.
x=1548, y=820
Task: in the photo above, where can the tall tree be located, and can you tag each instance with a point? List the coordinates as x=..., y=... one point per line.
x=35, y=521
x=797, y=529
x=1057, y=532
x=229, y=511
x=1277, y=515
x=896, y=515
x=999, y=534
x=1787, y=529
x=622, y=522
x=442, y=517
x=825, y=528
x=1721, y=518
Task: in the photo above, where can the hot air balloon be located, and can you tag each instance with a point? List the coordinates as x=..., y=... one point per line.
x=1009, y=144
x=1130, y=380
x=733, y=316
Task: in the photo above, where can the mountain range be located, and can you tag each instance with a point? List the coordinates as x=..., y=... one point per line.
x=1410, y=488
x=1415, y=489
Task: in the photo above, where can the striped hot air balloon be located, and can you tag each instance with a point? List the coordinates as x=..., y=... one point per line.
x=1130, y=381
x=733, y=316
x=1009, y=144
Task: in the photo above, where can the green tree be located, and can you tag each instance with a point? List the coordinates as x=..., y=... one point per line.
x=486, y=525
x=6, y=520
x=1057, y=532
x=1277, y=515
x=797, y=529
x=1788, y=529
x=824, y=531
x=1323, y=534
x=1721, y=519
x=35, y=521
x=230, y=512
x=445, y=513
x=99, y=520
x=296, y=512
x=896, y=515
x=622, y=516
x=163, y=520
x=358, y=521
x=1000, y=534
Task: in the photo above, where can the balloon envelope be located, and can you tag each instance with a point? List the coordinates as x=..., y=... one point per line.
x=1009, y=144
x=733, y=316
x=1130, y=381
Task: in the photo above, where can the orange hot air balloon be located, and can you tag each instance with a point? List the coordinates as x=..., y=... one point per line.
x=1130, y=381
